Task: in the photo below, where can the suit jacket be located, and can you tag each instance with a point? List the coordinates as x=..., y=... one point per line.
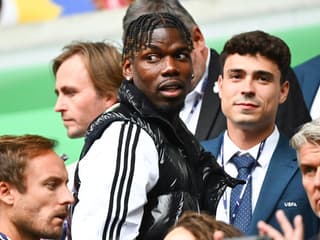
x=281, y=189
x=308, y=75
x=212, y=121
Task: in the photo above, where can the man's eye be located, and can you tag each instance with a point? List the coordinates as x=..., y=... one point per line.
x=70, y=93
x=263, y=79
x=309, y=171
x=51, y=185
x=152, y=57
x=182, y=56
x=235, y=76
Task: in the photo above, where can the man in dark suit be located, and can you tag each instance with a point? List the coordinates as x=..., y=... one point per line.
x=202, y=112
x=308, y=75
x=306, y=142
x=252, y=85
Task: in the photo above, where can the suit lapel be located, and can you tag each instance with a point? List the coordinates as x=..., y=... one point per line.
x=213, y=145
x=210, y=107
x=311, y=89
x=309, y=79
x=282, y=167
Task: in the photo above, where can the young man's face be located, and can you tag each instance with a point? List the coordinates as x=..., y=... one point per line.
x=77, y=99
x=250, y=91
x=309, y=159
x=41, y=210
x=163, y=70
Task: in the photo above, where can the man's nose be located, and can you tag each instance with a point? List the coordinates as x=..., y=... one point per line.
x=248, y=86
x=68, y=196
x=317, y=177
x=59, y=106
x=170, y=65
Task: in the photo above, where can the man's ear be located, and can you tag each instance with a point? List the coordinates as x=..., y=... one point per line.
x=127, y=69
x=198, y=38
x=6, y=195
x=284, y=91
x=110, y=99
x=220, y=79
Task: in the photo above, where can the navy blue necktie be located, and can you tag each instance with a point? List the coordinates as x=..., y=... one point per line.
x=244, y=164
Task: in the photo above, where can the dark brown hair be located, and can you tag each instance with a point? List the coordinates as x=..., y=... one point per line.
x=259, y=42
x=15, y=151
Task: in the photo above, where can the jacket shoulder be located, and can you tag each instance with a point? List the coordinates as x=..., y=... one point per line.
x=213, y=145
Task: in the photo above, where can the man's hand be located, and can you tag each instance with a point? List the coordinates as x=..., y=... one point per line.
x=289, y=232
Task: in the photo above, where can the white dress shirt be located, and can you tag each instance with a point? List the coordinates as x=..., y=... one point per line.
x=315, y=107
x=228, y=149
x=192, y=104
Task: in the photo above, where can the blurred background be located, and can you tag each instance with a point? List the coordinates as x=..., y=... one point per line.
x=33, y=32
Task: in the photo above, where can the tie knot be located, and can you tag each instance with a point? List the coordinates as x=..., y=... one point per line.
x=243, y=161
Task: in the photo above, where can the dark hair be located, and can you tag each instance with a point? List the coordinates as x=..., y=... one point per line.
x=141, y=7
x=202, y=226
x=16, y=151
x=139, y=32
x=259, y=42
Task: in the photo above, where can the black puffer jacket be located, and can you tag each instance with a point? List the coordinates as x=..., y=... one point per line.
x=189, y=178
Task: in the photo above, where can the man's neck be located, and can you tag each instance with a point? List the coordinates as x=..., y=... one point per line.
x=246, y=138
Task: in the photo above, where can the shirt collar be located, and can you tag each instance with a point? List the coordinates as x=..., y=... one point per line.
x=270, y=144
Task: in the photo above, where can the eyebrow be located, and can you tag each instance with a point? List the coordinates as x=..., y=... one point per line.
x=258, y=72
x=304, y=166
x=151, y=46
x=235, y=70
x=66, y=89
x=155, y=47
x=261, y=72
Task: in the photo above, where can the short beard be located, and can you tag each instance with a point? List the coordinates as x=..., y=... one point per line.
x=170, y=112
x=44, y=234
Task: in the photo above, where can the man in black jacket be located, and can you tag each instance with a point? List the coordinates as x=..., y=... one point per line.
x=202, y=112
x=140, y=167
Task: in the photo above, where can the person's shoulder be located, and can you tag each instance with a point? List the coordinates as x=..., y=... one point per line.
x=213, y=142
x=312, y=65
x=284, y=141
x=283, y=148
x=310, y=62
x=214, y=51
x=316, y=237
x=209, y=141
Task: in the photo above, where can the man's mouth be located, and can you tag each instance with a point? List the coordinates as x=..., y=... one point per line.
x=246, y=104
x=67, y=120
x=171, y=88
x=61, y=216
